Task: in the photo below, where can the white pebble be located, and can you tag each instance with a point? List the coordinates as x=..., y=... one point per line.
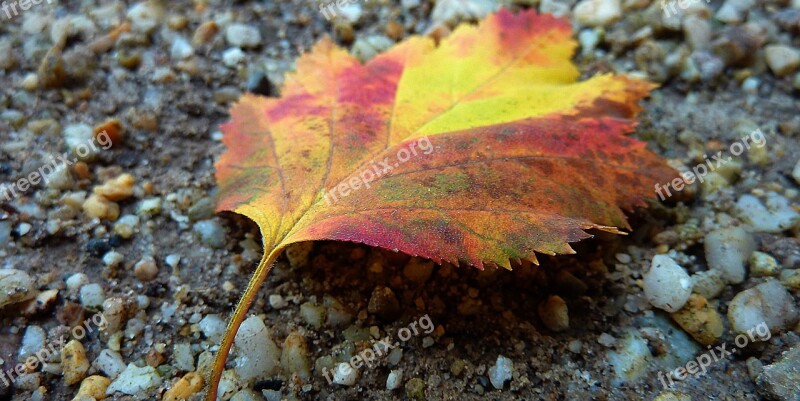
x=173, y=260
x=145, y=16
x=768, y=303
x=452, y=11
x=244, y=36
x=588, y=39
x=597, y=12
x=151, y=206
x=727, y=250
x=501, y=372
x=345, y=375
x=76, y=281
x=135, y=380
x=708, y=283
x=394, y=380
x=259, y=356
x=213, y=327
x=23, y=228
x=126, y=225
x=631, y=360
x=113, y=259
x=60, y=178
x=782, y=60
x=667, y=286
x=32, y=342
x=772, y=216
x=233, y=57
x=796, y=172
x=181, y=49
x=606, y=340
x=78, y=138
x=110, y=363
x=92, y=296
x=351, y=12
x=183, y=356
x=276, y=301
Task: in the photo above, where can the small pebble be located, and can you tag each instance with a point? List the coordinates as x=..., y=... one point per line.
x=453, y=11
x=763, y=264
x=345, y=375
x=782, y=60
x=117, y=189
x=233, y=57
x=277, y=301
x=74, y=362
x=780, y=379
x=394, y=380
x=791, y=278
x=727, y=250
x=94, y=387
x=146, y=269
x=775, y=214
x=260, y=356
x=597, y=13
x=210, y=233
x=98, y=207
x=173, y=260
x=796, y=170
x=135, y=380
x=92, y=296
x=181, y=49
x=708, y=283
x=418, y=270
x=501, y=372
x=32, y=342
x=126, y=226
x=243, y=36
x=768, y=303
x=667, y=286
x=606, y=340
x=384, y=304
x=700, y=320
x=110, y=363
x=185, y=388
x=15, y=286
x=294, y=357
x=150, y=206
x=415, y=389
x=554, y=313
x=113, y=259
x=213, y=327
x=145, y=16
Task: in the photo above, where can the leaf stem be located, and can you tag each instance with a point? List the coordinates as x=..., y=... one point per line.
x=236, y=320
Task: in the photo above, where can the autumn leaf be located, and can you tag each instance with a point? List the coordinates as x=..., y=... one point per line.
x=482, y=150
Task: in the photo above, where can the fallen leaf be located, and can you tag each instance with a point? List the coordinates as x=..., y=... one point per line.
x=483, y=150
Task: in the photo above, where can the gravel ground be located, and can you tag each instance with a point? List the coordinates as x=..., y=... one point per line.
x=124, y=236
